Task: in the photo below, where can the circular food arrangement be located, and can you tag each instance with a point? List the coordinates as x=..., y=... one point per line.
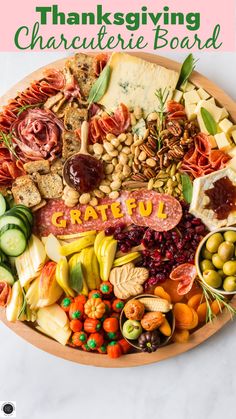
x=117, y=210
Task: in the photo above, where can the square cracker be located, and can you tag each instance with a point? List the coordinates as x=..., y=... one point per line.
x=82, y=66
x=50, y=186
x=25, y=192
x=41, y=166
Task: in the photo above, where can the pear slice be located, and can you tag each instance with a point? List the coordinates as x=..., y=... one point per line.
x=108, y=259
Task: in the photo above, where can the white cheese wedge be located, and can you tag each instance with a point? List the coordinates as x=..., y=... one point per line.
x=192, y=97
x=203, y=94
x=134, y=82
x=214, y=110
x=222, y=140
x=177, y=95
x=225, y=125
x=211, y=100
x=200, y=199
x=232, y=163
x=212, y=141
x=187, y=87
x=190, y=111
x=233, y=135
x=224, y=113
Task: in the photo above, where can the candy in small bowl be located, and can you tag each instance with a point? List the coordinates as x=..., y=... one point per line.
x=216, y=260
x=147, y=322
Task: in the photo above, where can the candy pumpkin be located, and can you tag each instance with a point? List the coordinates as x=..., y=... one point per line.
x=118, y=305
x=80, y=299
x=106, y=287
x=95, y=294
x=66, y=303
x=94, y=308
x=114, y=349
x=76, y=325
x=95, y=341
x=107, y=306
x=79, y=338
x=103, y=348
x=76, y=311
x=92, y=325
x=111, y=324
x=86, y=348
x=125, y=346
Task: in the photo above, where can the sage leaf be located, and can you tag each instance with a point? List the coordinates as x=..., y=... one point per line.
x=100, y=86
x=187, y=68
x=187, y=186
x=209, y=121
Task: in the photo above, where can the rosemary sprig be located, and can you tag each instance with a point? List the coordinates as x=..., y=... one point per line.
x=25, y=107
x=24, y=305
x=7, y=140
x=162, y=96
x=210, y=295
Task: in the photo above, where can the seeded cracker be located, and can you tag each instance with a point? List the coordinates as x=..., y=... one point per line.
x=50, y=186
x=25, y=192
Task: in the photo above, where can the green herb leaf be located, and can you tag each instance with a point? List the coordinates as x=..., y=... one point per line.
x=187, y=188
x=7, y=140
x=187, y=68
x=25, y=107
x=209, y=121
x=162, y=96
x=24, y=305
x=76, y=278
x=100, y=86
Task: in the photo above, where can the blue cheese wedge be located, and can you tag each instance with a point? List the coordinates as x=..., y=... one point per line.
x=200, y=199
x=134, y=82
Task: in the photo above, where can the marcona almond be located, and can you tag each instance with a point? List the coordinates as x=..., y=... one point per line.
x=133, y=119
x=142, y=156
x=115, y=142
x=114, y=194
x=84, y=198
x=123, y=158
x=138, y=113
x=126, y=150
x=98, y=193
x=113, y=153
x=122, y=137
x=105, y=188
x=115, y=185
x=109, y=137
x=153, y=116
x=106, y=157
x=118, y=167
x=93, y=202
x=129, y=140
x=114, y=161
x=98, y=148
x=126, y=170
x=108, y=146
x=109, y=168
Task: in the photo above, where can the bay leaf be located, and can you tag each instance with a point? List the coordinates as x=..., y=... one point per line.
x=100, y=86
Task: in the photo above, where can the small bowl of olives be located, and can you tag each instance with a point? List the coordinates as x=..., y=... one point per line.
x=216, y=260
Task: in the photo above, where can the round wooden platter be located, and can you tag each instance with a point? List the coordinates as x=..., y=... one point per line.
x=131, y=360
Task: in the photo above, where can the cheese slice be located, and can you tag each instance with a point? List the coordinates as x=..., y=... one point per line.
x=134, y=82
x=200, y=199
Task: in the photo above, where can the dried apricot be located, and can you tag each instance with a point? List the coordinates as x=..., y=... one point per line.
x=181, y=336
x=160, y=292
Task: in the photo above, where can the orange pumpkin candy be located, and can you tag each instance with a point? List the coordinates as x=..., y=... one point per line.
x=114, y=349
x=94, y=308
x=95, y=341
x=111, y=324
x=92, y=325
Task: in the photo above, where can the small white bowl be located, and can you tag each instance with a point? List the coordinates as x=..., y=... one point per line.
x=198, y=258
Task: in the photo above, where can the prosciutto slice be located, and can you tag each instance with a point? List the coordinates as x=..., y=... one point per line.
x=37, y=135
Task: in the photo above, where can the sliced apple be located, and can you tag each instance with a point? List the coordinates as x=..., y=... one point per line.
x=53, y=322
x=15, y=303
x=52, y=248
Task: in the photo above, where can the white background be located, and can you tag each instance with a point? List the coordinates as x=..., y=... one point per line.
x=200, y=384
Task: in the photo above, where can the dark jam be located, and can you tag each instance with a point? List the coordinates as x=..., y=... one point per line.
x=222, y=198
x=83, y=172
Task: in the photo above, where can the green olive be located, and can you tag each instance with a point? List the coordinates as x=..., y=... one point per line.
x=212, y=278
x=217, y=261
x=226, y=251
x=229, y=283
x=206, y=254
x=229, y=268
x=221, y=273
x=213, y=242
x=206, y=264
x=230, y=236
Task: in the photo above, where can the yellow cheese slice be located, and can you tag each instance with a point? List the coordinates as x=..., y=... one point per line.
x=134, y=82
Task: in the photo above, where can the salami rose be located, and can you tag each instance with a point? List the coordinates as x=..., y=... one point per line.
x=38, y=135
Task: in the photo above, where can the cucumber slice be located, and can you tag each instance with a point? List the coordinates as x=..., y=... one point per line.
x=3, y=205
x=12, y=240
x=6, y=275
x=26, y=211
x=7, y=219
x=17, y=213
x=3, y=257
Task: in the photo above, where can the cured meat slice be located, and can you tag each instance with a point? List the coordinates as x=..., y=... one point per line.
x=5, y=293
x=185, y=273
x=116, y=124
x=100, y=63
x=163, y=204
x=128, y=214
x=38, y=135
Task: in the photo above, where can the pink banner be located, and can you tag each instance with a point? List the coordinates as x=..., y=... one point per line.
x=139, y=25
